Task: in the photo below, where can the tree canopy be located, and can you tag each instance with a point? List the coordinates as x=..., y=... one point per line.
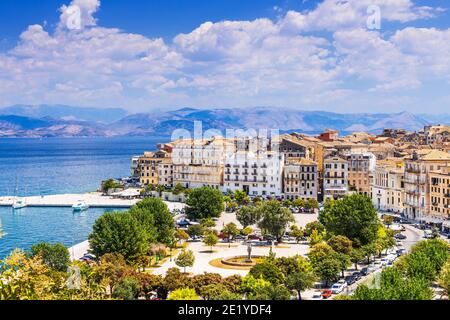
x=353, y=216
x=204, y=203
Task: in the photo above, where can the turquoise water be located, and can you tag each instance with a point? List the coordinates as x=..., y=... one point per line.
x=25, y=227
x=55, y=166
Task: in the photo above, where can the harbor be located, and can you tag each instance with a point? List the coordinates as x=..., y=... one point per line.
x=93, y=200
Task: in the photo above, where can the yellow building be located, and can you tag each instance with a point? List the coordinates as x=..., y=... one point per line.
x=417, y=180
x=300, y=179
x=200, y=162
x=388, y=193
x=148, y=166
x=440, y=193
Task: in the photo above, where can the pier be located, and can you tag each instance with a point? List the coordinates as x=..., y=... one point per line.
x=93, y=200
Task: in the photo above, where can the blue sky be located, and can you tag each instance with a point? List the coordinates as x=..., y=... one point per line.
x=146, y=55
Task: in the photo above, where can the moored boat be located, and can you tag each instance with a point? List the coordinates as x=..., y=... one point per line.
x=80, y=206
x=19, y=204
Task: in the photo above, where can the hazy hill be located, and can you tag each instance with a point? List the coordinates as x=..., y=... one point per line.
x=65, y=112
x=25, y=121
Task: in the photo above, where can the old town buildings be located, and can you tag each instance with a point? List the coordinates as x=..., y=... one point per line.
x=403, y=172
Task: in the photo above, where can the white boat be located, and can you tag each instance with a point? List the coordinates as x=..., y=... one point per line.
x=19, y=204
x=80, y=206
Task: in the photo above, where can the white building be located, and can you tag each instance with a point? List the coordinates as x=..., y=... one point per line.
x=388, y=192
x=335, y=177
x=256, y=174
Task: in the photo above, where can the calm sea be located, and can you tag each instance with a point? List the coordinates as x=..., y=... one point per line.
x=55, y=166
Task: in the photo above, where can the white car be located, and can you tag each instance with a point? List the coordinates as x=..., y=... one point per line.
x=338, y=288
x=384, y=261
x=377, y=264
x=317, y=296
x=371, y=268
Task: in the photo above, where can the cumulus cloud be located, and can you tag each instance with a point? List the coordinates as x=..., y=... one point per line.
x=287, y=62
x=78, y=14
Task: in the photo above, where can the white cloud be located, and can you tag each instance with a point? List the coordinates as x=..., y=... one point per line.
x=229, y=63
x=83, y=10
x=333, y=15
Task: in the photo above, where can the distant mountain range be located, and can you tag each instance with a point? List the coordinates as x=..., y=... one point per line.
x=65, y=121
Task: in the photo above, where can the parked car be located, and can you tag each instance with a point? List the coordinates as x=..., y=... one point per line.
x=371, y=268
x=401, y=251
x=400, y=236
x=338, y=287
x=357, y=275
x=317, y=296
x=364, y=271
x=378, y=264
x=326, y=294
x=350, y=280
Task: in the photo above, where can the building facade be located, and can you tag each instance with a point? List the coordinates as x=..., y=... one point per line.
x=335, y=177
x=417, y=180
x=360, y=167
x=148, y=166
x=300, y=179
x=256, y=174
x=388, y=192
x=198, y=163
x=440, y=193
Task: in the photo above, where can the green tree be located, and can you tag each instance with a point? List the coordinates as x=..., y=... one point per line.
x=230, y=231
x=312, y=204
x=315, y=238
x=241, y=197
x=185, y=259
x=208, y=223
x=444, y=277
x=315, y=225
x=109, y=184
x=436, y=250
x=368, y=251
x=388, y=220
x=250, y=284
x=299, y=203
x=175, y=279
x=233, y=283
x=246, y=231
x=205, y=279
x=340, y=244
x=156, y=216
x=247, y=216
x=204, y=203
x=118, y=232
x=297, y=233
x=195, y=231
x=274, y=218
x=356, y=255
x=213, y=291
x=55, y=256
x=394, y=286
x=293, y=264
x=178, y=189
x=180, y=234
x=300, y=281
x=183, y=294
x=353, y=216
x=127, y=289
x=271, y=292
x=211, y=240
x=268, y=271
x=328, y=268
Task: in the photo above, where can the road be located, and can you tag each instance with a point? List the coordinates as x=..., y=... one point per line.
x=413, y=235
